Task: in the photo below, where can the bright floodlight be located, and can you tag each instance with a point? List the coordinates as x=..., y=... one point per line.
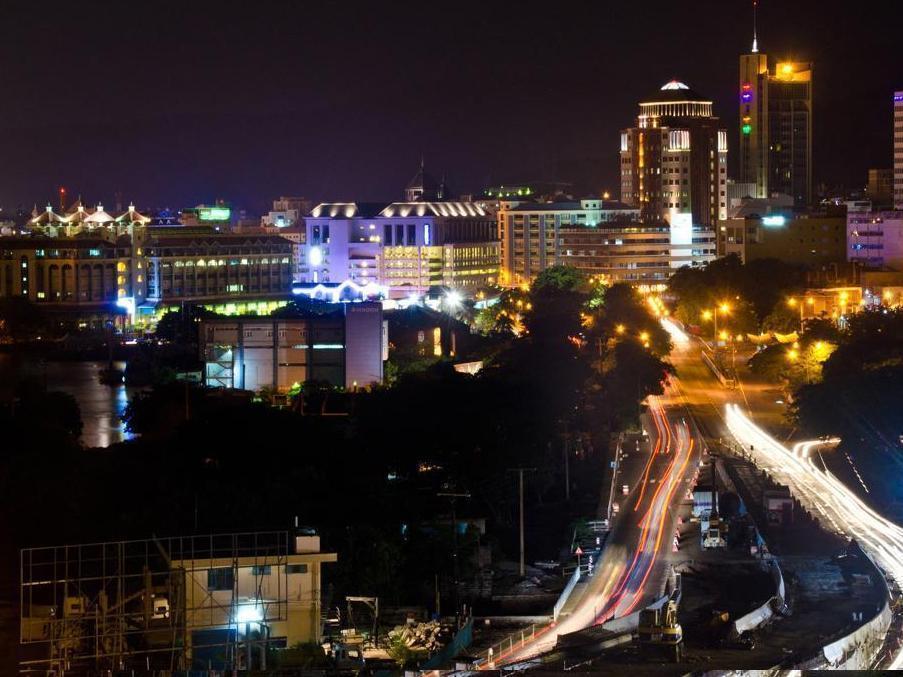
x=252, y=612
x=315, y=258
x=453, y=298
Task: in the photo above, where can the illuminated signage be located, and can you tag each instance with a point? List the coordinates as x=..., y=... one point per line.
x=214, y=213
x=773, y=221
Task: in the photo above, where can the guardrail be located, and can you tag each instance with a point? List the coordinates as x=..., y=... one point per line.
x=501, y=650
x=726, y=381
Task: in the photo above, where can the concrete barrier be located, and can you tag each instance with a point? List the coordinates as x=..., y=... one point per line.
x=566, y=593
x=766, y=611
x=858, y=649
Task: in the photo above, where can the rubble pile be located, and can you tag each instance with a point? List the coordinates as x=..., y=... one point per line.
x=430, y=636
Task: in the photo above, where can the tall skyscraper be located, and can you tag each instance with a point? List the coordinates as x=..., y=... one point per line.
x=898, y=150
x=674, y=161
x=776, y=126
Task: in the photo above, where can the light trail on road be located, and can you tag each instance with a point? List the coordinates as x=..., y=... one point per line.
x=618, y=588
x=819, y=490
x=632, y=588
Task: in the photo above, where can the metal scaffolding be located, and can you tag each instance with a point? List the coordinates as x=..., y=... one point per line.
x=156, y=604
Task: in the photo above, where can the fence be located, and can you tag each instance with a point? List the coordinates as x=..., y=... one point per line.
x=502, y=650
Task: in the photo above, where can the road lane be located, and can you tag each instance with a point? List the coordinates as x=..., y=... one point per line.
x=633, y=564
x=731, y=413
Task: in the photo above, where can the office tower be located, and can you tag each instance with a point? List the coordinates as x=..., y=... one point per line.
x=898, y=150
x=776, y=126
x=674, y=161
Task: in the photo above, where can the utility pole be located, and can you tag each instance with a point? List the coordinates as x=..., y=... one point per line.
x=567, y=468
x=520, y=472
x=452, y=496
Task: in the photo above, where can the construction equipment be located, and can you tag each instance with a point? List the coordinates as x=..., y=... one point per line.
x=372, y=604
x=712, y=531
x=659, y=629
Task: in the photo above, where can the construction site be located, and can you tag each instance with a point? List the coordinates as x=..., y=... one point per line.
x=219, y=601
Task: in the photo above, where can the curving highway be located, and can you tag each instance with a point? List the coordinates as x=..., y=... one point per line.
x=633, y=564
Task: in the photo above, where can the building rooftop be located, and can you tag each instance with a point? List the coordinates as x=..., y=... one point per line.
x=347, y=210
x=571, y=205
x=676, y=91
x=405, y=209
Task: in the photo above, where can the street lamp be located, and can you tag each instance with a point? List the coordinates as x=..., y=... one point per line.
x=793, y=303
x=724, y=308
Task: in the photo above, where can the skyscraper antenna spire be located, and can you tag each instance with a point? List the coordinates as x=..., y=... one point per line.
x=755, y=48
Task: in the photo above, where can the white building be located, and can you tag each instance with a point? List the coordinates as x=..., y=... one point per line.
x=403, y=247
x=344, y=348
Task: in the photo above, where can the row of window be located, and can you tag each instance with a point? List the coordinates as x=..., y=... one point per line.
x=223, y=578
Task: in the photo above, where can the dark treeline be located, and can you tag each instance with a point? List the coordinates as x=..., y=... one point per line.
x=209, y=461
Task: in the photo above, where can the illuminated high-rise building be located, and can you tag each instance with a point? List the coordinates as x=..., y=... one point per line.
x=674, y=161
x=776, y=125
x=898, y=150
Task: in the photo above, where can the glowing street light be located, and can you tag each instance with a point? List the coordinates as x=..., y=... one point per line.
x=620, y=329
x=453, y=299
x=724, y=308
x=793, y=303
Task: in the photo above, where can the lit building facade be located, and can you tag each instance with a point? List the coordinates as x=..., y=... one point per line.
x=875, y=239
x=344, y=348
x=80, y=220
x=404, y=247
x=601, y=238
x=70, y=273
x=101, y=268
x=673, y=163
x=196, y=264
x=776, y=126
x=898, y=150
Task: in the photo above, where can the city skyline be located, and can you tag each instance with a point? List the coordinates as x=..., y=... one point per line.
x=146, y=108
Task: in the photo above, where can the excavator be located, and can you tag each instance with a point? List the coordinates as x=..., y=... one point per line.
x=659, y=631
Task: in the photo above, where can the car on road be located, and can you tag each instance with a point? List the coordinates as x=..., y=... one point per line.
x=625, y=489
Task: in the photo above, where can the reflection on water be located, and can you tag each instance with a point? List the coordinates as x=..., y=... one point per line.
x=101, y=405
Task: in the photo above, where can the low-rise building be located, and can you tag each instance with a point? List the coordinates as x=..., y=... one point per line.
x=345, y=348
x=132, y=273
x=88, y=279
x=198, y=264
x=600, y=237
x=810, y=239
x=286, y=211
x=222, y=601
x=404, y=247
x=875, y=239
x=235, y=595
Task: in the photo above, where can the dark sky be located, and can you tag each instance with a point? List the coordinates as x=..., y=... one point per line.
x=174, y=104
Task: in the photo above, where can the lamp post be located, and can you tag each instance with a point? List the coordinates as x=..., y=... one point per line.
x=723, y=308
x=793, y=303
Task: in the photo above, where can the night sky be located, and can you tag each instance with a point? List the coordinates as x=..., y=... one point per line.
x=174, y=104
